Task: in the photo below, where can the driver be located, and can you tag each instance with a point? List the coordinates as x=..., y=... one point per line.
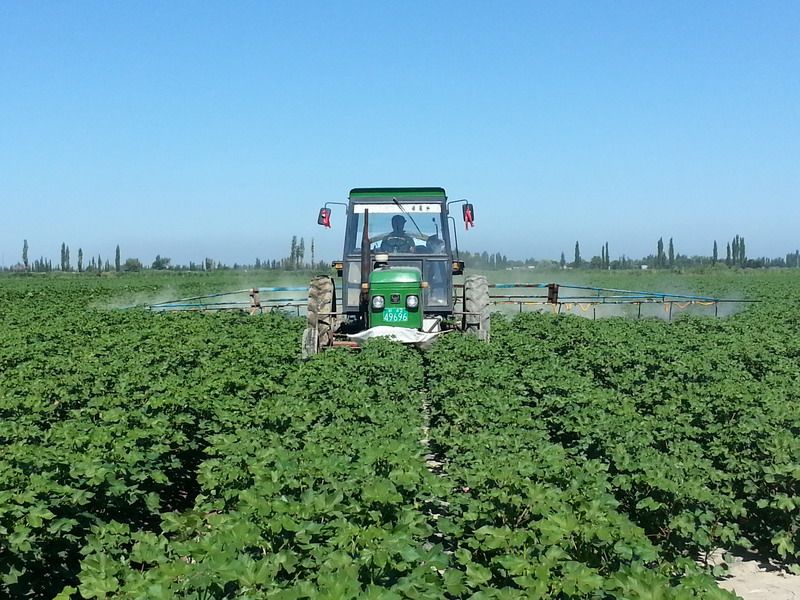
x=398, y=240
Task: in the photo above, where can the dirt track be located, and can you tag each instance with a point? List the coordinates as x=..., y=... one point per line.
x=755, y=580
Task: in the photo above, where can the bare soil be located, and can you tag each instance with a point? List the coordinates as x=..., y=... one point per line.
x=755, y=579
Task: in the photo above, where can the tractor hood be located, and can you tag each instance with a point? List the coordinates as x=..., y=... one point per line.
x=394, y=275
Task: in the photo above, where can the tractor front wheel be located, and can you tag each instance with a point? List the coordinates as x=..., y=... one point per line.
x=321, y=316
x=476, y=306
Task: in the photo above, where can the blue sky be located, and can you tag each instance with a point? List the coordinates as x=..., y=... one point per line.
x=217, y=129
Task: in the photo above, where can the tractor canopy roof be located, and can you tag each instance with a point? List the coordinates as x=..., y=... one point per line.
x=383, y=194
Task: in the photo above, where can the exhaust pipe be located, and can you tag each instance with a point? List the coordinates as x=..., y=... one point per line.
x=366, y=266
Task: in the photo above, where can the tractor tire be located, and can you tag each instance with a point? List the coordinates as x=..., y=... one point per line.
x=476, y=305
x=318, y=334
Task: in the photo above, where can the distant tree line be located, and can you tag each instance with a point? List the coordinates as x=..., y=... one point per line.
x=296, y=260
x=484, y=260
x=665, y=257
x=662, y=258
x=45, y=265
x=735, y=256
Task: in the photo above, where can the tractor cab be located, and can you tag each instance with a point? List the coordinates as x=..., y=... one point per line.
x=398, y=262
x=411, y=229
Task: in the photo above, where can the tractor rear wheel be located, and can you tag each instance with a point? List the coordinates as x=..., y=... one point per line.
x=476, y=306
x=321, y=318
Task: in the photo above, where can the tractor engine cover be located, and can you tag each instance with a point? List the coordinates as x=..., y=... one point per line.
x=395, y=297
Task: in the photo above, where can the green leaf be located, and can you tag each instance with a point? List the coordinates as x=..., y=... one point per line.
x=454, y=582
x=477, y=575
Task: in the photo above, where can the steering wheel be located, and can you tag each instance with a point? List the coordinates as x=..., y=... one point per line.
x=397, y=243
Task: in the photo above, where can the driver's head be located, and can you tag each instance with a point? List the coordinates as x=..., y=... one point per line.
x=398, y=222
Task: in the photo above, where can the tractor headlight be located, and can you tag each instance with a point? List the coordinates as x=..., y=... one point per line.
x=378, y=302
x=412, y=301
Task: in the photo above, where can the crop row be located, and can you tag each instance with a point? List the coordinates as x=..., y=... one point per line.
x=105, y=419
x=597, y=455
x=317, y=491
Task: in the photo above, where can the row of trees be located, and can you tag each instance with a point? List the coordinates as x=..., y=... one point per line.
x=93, y=264
x=597, y=262
x=44, y=265
x=665, y=257
x=484, y=260
x=735, y=256
x=294, y=261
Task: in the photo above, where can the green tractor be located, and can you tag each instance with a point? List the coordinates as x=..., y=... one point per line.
x=397, y=272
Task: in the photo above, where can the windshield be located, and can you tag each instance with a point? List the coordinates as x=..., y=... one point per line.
x=407, y=228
